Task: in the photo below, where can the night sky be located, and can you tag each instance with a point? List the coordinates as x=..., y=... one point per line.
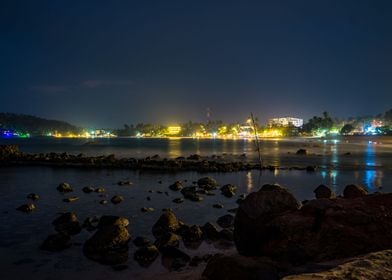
x=106, y=63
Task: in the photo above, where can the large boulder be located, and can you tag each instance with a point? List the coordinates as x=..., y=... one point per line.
x=321, y=230
x=257, y=209
x=167, y=222
x=109, y=244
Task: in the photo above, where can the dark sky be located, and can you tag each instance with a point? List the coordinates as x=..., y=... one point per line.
x=106, y=63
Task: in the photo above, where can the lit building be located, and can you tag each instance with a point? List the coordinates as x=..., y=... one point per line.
x=286, y=121
x=173, y=130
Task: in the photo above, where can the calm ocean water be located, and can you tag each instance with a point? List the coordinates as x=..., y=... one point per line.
x=21, y=234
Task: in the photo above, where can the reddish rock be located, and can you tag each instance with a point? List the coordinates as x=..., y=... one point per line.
x=321, y=230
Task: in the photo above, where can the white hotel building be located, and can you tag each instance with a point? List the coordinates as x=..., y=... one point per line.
x=286, y=121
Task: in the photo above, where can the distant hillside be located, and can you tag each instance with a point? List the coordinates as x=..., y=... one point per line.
x=34, y=125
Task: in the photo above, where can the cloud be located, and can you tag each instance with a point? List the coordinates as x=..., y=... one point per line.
x=100, y=83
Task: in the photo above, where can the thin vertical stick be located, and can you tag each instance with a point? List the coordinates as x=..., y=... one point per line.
x=256, y=139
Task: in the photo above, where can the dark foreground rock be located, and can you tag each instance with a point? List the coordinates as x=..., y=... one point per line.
x=269, y=223
x=374, y=266
x=64, y=188
x=109, y=245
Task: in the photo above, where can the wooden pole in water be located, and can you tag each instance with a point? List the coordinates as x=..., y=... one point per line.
x=256, y=139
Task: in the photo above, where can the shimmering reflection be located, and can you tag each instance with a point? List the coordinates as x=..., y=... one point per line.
x=373, y=179
x=370, y=158
x=174, y=147
x=249, y=181
x=334, y=153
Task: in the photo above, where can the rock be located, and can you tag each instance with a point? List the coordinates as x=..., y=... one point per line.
x=226, y=221
x=218, y=206
x=91, y=223
x=354, y=191
x=207, y=183
x=194, y=157
x=173, y=258
x=100, y=190
x=109, y=221
x=228, y=190
x=103, y=202
x=301, y=152
x=226, y=234
x=109, y=244
x=167, y=222
x=120, y=267
x=88, y=189
x=176, y=186
x=26, y=208
x=146, y=255
x=258, y=208
x=9, y=152
x=147, y=209
x=67, y=223
x=322, y=230
x=210, y=231
x=168, y=239
x=323, y=191
x=195, y=261
x=71, y=199
x=141, y=241
x=117, y=199
x=311, y=168
x=374, y=266
x=33, y=196
x=56, y=242
x=178, y=200
x=190, y=193
x=123, y=183
x=191, y=234
x=64, y=188
x=239, y=267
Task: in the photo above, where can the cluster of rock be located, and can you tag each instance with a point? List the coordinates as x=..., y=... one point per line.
x=274, y=233
x=10, y=155
x=169, y=231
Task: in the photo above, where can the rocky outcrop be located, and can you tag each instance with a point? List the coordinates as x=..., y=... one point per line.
x=255, y=211
x=269, y=223
x=9, y=152
x=207, y=183
x=109, y=244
